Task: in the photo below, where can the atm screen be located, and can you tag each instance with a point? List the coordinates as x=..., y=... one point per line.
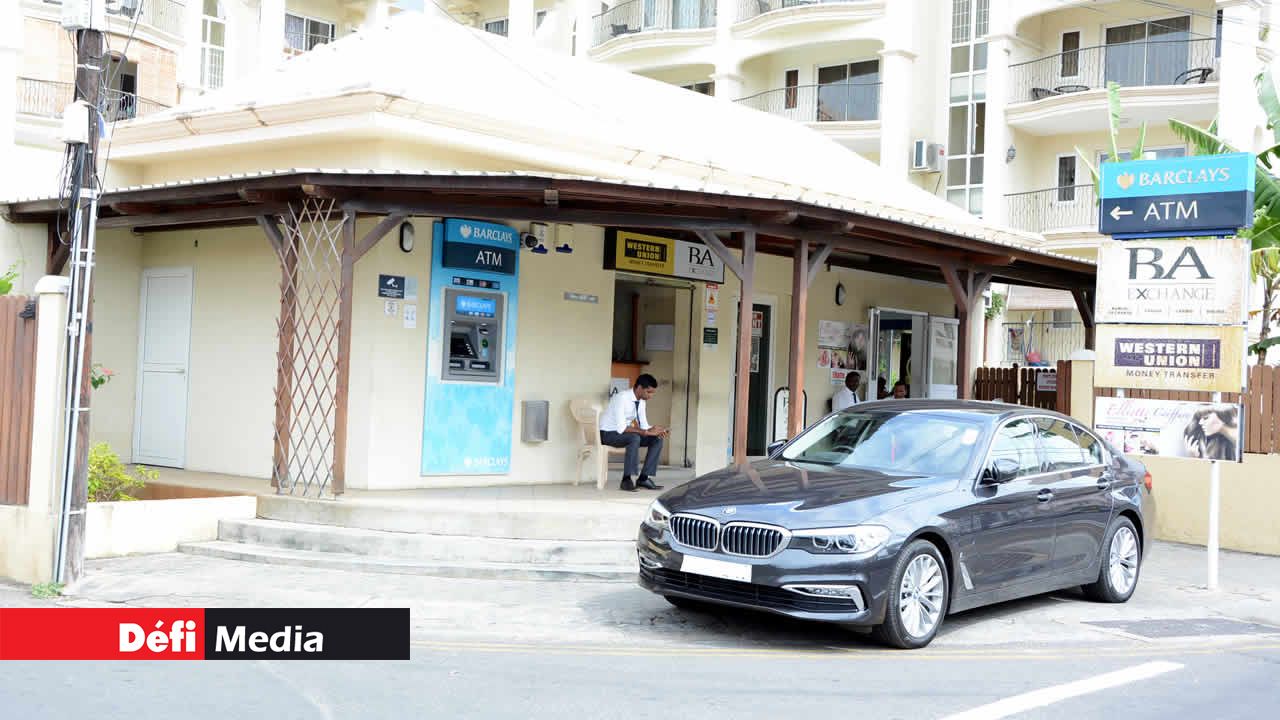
x=472, y=306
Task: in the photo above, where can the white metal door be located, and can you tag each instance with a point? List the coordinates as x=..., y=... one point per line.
x=164, y=348
x=944, y=334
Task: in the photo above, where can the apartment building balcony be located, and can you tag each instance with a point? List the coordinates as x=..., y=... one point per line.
x=757, y=18
x=46, y=99
x=164, y=16
x=846, y=112
x=645, y=34
x=1066, y=216
x=1066, y=92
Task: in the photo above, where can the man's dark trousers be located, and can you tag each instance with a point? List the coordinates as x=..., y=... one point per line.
x=633, y=442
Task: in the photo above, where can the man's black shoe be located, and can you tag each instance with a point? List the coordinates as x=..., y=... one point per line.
x=647, y=484
x=627, y=485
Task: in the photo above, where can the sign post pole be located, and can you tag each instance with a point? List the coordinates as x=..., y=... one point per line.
x=1215, y=484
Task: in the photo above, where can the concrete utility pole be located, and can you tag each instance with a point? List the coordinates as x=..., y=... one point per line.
x=90, y=66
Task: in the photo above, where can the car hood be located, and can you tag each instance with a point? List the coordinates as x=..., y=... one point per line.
x=800, y=495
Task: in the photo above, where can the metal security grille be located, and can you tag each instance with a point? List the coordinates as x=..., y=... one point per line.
x=310, y=255
x=750, y=540
x=695, y=532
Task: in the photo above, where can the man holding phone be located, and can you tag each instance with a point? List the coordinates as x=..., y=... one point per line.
x=624, y=425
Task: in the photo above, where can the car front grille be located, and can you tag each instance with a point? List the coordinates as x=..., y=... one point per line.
x=695, y=532
x=750, y=540
x=763, y=596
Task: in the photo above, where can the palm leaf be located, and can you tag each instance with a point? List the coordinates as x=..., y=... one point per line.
x=1269, y=101
x=1265, y=156
x=1093, y=173
x=1140, y=146
x=1113, y=118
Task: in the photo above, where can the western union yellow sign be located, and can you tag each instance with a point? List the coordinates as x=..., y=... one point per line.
x=652, y=255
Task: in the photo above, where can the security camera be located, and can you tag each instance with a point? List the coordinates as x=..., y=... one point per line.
x=529, y=240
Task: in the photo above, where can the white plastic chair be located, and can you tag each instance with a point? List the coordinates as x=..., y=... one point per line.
x=586, y=412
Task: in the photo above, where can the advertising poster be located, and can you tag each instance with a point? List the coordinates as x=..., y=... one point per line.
x=824, y=358
x=1179, y=282
x=859, y=342
x=838, y=376
x=1170, y=357
x=833, y=334
x=1171, y=428
x=840, y=360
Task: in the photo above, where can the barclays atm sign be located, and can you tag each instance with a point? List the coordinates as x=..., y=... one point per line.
x=1203, y=195
x=482, y=246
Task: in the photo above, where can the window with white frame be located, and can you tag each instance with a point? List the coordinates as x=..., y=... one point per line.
x=213, y=44
x=303, y=33
x=497, y=27
x=967, y=114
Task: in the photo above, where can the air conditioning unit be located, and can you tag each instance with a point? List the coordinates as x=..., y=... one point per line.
x=927, y=157
x=84, y=15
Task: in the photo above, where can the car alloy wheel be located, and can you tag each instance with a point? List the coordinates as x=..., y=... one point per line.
x=1123, y=564
x=920, y=596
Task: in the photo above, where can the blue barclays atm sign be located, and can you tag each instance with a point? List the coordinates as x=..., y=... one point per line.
x=487, y=247
x=1178, y=197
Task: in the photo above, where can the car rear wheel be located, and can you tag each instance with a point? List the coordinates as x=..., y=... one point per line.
x=1121, y=560
x=918, y=596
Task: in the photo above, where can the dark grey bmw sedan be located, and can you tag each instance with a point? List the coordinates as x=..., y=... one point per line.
x=893, y=514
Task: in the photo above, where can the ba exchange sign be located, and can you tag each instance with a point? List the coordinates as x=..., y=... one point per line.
x=1181, y=282
x=1199, y=195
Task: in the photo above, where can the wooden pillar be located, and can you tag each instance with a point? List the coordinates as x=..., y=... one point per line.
x=1084, y=304
x=966, y=289
x=743, y=388
x=286, y=248
x=795, y=373
x=341, y=395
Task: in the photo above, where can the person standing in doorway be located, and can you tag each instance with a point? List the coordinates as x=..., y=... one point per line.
x=900, y=390
x=625, y=425
x=847, y=396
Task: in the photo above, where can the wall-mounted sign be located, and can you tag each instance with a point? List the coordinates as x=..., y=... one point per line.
x=391, y=286
x=581, y=297
x=757, y=324
x=1197, y=195
x=1181, y=282
x=710, y=336
x=1170, y=428
x=480, y=246
x=1170, y=357
x=1046, y=382
x=652, y=255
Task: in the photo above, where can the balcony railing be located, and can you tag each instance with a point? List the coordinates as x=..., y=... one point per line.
x=45, y=98
x=297, y=43
x=748, y=9
x=163, y=15
x=1136, y=64
x=834, y=102
x=643, y=15
x=1060, y=208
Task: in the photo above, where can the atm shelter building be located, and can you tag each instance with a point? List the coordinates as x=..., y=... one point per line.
x=351, y=273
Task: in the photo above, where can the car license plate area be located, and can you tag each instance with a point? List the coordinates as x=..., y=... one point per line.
x=716, y=568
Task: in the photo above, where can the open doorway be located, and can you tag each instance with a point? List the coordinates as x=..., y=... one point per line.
x=898, y=351
x=652, y=333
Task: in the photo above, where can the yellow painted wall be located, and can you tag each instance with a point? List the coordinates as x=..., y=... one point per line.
x=23, y=248
x=116, y=279
x=1045, y=30
x=1250, y=494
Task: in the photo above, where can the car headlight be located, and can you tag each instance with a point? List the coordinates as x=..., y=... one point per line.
x=657, y=516
x=855, y=540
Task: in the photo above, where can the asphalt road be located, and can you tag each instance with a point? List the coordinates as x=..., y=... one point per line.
x=494, y=649
x=505, y=680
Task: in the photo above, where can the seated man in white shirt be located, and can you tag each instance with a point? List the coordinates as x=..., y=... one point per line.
x=617, y=430
x=847, y=396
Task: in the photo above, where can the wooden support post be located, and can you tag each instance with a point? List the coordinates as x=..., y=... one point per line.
x=341, y=395
x=799, y=302
x=287, y=251
x=1084, y=304
x=966, y=290
x=743, y=386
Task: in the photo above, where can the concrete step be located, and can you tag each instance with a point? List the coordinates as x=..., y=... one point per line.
x=437, y=568
x=586, y=521
x=424, y=547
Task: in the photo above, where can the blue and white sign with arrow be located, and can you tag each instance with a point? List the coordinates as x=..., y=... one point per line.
x=1202, y=195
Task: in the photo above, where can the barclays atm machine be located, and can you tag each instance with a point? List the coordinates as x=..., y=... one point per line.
x=470, y=389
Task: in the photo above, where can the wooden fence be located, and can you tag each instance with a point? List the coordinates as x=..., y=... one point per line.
x=1261, y=432
x=17, y=395
x=1034, y=386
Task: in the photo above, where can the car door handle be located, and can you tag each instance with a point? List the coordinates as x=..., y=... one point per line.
x=1045, y=495
x=1104, y=482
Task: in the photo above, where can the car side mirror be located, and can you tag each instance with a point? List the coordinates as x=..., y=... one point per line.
x=774, y=448
x=1001, y=471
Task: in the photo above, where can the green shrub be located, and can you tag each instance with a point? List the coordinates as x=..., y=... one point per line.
x=110, y=479
x=7, y=278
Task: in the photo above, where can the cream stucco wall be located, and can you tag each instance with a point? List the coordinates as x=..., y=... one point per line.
x=113, y=529
x=1043, y=32
x=1250, y=493
x=116, y=279
x=22, y=247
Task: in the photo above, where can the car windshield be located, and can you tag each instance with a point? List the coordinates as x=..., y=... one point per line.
x=905, y=443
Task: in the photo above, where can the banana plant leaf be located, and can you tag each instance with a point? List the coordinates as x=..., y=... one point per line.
x=1266, y=191
x=1269, y=101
